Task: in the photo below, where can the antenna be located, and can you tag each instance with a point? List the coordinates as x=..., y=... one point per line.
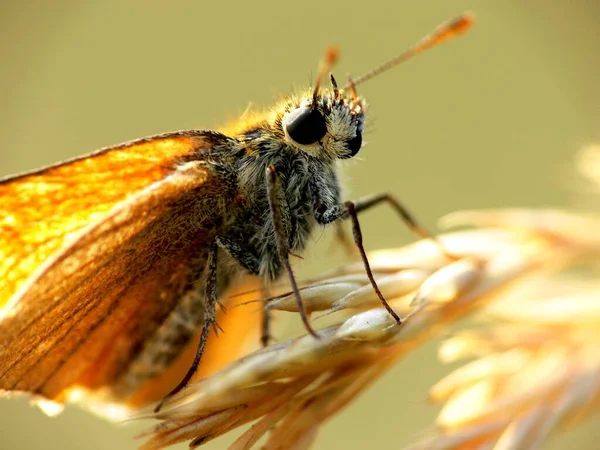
x=442, y=33
x=329, y=59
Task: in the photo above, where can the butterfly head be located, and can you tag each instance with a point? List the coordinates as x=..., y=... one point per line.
x=329, y=123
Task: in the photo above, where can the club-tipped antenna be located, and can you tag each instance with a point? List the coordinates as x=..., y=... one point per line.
x=442, y=33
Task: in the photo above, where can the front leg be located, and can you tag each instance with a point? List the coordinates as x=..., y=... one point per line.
x=325, y=215
x=339, y=211
x=280, y=214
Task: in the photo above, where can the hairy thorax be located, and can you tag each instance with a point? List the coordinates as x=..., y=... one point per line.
x=253, y=228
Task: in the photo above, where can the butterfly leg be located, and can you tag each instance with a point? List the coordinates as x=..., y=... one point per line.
x=241, y=253
x=247, y=259
x=265, y=331
x=336, y=212
x=368, y=202
x=280, y=216
x=325, y=214
x=350, y=210
x=210, y=320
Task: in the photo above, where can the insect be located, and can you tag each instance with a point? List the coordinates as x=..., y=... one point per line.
x=111, y=262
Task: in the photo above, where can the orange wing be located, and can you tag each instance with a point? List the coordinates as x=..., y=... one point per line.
x=41, y=210
x=96, y=253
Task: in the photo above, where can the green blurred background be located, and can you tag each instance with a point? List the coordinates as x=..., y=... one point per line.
x=492, y=119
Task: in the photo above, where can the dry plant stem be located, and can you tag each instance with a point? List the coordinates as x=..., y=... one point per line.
x=212, y=426
x=294, y=386
x=538, y=367
x=256, y=431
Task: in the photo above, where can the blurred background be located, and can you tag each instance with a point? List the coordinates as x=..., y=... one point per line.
x=492, y=119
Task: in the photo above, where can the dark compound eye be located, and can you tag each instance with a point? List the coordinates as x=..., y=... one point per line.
x=354, y=144
x=306, y=126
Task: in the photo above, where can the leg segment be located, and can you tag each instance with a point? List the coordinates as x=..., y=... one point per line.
x=337, y=212
x=265, y=333
x=358, y=240
x=209, y=321
x=278, y=215
x=351, y=210
x=241, y=254
x=325, y=215
x=252, y=264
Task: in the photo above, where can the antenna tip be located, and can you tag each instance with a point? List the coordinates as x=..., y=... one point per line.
x=332, y=54
x=463, y=22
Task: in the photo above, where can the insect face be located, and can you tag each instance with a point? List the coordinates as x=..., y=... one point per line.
x=329, y=126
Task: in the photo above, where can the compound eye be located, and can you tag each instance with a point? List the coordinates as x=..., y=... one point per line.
x=306, y=125
x=354, y=144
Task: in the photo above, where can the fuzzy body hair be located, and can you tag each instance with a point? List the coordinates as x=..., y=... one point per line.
x=308, y=174
x=246, y=233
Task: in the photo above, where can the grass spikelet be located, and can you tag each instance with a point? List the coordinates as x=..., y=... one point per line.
x=501, y=267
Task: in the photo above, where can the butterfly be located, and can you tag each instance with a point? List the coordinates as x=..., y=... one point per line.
x=115, y=262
